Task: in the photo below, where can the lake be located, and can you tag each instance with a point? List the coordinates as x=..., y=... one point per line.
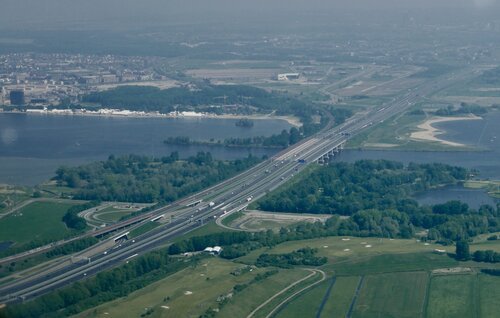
x=474, y=198
x=32, y=147
x=480, y=133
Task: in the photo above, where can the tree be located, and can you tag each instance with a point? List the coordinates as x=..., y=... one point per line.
x=462, y=252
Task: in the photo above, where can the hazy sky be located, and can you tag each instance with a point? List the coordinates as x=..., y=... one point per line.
x=16, y=13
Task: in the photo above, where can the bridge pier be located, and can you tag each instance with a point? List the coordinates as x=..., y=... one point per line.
x=330, y=155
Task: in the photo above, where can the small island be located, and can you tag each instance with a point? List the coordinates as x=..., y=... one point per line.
x=244, y=122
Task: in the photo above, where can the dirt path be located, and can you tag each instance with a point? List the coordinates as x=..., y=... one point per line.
x=298, y=292
x=284, y=290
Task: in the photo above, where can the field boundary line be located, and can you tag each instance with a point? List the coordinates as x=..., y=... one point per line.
x=427, y=295
x=326, y=297
x=355, y=297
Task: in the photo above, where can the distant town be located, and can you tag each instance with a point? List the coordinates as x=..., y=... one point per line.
x=48, y=79
x=41, y=80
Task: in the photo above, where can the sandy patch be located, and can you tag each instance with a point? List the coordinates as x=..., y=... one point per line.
x=292, y=120
x=455, y=270
x=488, y=89
x=430, y=133
x=380, y=145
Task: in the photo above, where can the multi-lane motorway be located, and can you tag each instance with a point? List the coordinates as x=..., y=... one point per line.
x=227, y=197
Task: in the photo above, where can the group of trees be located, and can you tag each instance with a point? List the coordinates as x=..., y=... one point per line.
x=462, y=110
x=244, y=122
x=282, y=140
x=146, y=98
x=462, y=253
x=71, y=218
x=304, y=256
x=378, y=197
x=104, y=287
x=135, y=178
x=345, y=188
x=487, y=256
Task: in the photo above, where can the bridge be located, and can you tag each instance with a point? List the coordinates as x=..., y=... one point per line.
x=330, y=154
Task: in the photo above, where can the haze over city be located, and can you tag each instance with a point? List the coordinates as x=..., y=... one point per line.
x=264, y=158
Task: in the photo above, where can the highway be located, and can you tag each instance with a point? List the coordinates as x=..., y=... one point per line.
x=227, y=197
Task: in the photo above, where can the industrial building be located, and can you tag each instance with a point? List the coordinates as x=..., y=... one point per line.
x=17, y=97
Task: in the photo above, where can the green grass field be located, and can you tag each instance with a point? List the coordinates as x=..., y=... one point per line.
x=36, y=221
x=392, y=295
x=341, y=297
x=389, y=263
x=452, y=296
x=337, y=249
x=231, y=218
x=146, y=227
x=207, y=229
x=489, y=296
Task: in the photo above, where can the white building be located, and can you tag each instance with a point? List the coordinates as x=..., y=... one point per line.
x=288, y=76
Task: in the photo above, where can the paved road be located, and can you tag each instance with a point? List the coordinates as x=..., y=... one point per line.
x=229, y=196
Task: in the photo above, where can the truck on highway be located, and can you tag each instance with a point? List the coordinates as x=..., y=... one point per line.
x=211, y=204
x=249, y=199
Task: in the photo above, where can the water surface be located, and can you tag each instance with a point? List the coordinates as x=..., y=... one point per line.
x=32, y=147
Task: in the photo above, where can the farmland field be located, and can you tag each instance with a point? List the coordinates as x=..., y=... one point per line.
x=489, y=295
x=452, y=296
x=392, y=295
x=341, y=297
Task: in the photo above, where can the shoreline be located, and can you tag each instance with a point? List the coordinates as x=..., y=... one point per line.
x=292, y=120
x=430, y=133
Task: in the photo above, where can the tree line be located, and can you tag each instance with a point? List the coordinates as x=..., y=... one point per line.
x=282, y=140
x=462, y=253
x=304, y=257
